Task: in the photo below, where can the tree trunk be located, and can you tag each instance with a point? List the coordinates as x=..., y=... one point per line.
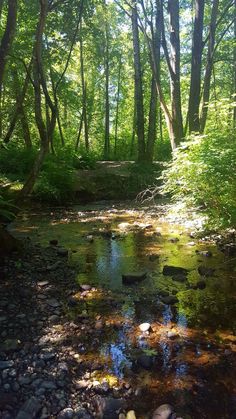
x=25, y=128
x=107, y=102
x=138, y=85
x=39, y=81
x=209, y=64
x=79, y=132
x=84, y=91
x=8, y=36
x=177, y=120
x=20, y=97
x=152, y=125
x=234, y=68
x=117, y=105
x=196, y=65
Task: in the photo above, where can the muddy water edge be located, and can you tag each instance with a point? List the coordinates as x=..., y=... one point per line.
x=187, y=356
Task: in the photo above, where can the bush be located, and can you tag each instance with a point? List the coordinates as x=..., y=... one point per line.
x=56, y=181
x=17, y=160
x=203, y=174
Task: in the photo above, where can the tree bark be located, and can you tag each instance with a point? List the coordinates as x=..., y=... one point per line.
x=107, y=102
x=117, y=104
x=19, y=104
x=234, y=68
x=8, y=36
x=177, y=120
x=196, y=66
x=152, y=125
x=209, y=65
x=138, y=85
x=84, y=91
x=39, y=82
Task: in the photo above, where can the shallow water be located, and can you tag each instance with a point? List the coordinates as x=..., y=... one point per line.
x=195, y=369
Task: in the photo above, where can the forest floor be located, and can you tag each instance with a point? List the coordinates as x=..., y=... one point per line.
x=71, y=346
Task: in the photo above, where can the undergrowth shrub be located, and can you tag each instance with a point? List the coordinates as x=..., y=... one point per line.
x=55, y=182
x=203, y=174
x=16, y=160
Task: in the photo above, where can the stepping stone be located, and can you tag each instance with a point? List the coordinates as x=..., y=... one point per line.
x=131, y=278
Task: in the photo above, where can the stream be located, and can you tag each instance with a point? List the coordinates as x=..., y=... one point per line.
x=187, y=355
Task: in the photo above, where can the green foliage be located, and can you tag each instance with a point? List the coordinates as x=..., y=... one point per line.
x=7, y=209
x=56, y=181
x=16, y=160
x=203, y=174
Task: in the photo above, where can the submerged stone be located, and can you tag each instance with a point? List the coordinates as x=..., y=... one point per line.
x=62, y=252
x=170, y=300
x=164, y=411
x=131, y=278
x=205, y=271
x=174, y=270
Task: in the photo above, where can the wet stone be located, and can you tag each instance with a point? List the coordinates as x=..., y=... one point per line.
x=205, y=271
x=67, y=413
x=131, y=278
x=164, y=411
x=10, y=345
x=174, y=270
x=53, y=303
x=145, y=327
x=145, y=361
x=85, y=287
x=108, y=408
x=6, y=364
x=62, y=252
x=30, y=409
x=170, y=300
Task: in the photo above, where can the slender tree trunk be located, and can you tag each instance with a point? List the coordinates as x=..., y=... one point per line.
x=42, y=129
x=8, y=36
x=196, y=65
x=25, y=128
x=177, y=120
x=133, y=132
x=107, y=102
x=19, y=103
x=152, y=125
x=84, y=91
x=79, y=132
x=209, y=65
x=234, y=67
x=1, y=124
x=138, y=85
x=117, y=105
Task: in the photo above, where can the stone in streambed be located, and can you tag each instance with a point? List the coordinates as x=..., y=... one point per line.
x=170, y=300
x=6, y=364
x=165, y=411
x=67, y=413
x=10, y=345
x=131, y=415
x=30, y=409
x=179, y=278
x=53, y=242
x=131, y=278
x=205, y=271
x=174, y=270
x=145, y=327
x=153, y=257
x=145, y=361
x=108, y=408
x=62, y=252
x=85, y=287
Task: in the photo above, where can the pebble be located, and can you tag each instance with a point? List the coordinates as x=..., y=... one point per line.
x=67, y=413
x=163, y=412
x=131, y=415
x=144, y=327
x=6, y=364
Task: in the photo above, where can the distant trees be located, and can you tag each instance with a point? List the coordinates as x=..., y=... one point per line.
x=113, y=78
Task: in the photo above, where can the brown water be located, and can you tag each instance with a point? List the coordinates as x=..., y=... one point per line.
x=194, y=370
